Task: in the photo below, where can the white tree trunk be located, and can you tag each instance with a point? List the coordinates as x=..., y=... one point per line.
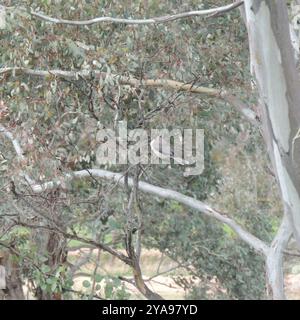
x=274, y=261
x=274, y=67
x=2, y=277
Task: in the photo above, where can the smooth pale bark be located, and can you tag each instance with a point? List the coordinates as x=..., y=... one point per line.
x=2, y=277
x=156, y=20
x=274, y=67
x=274, y=261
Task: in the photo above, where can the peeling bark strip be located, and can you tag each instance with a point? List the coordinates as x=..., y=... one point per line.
x=274, y=66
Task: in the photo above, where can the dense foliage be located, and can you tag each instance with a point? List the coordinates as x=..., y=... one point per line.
x=56, y=121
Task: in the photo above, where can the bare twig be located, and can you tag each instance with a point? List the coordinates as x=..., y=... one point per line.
x=18, y=149
x=15, y=143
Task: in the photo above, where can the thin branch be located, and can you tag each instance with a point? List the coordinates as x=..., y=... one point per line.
x=253, y=241
x=179, y=266
x=136, y=268
x=70, y=236
x=220, y=13
x=95, y=273
x=76, y=75
x=212, y=12
x=18, y=149
x=256, y=243
x=131, y=261
x=291, y=253
x=131, y=281
x=80, y=247
x=241, y=107
x=83, y=260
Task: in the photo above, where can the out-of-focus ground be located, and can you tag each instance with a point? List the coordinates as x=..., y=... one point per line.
x=292, y=277
x=153, y=263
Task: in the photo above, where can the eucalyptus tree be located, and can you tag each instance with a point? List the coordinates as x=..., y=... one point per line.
x=273, y=44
